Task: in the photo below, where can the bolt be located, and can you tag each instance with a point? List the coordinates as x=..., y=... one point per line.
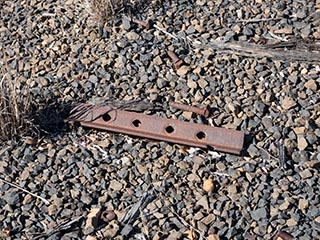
x=146, y=24
x=177, y=62
x=205, y=111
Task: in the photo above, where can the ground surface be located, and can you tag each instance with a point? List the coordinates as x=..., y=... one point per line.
x=55, y=48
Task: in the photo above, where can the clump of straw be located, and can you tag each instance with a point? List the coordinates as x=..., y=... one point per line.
x=104, y=10
x=15, y=108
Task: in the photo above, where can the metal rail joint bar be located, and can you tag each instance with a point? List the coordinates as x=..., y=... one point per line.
x=153, y=127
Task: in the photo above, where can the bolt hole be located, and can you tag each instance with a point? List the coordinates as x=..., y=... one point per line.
x=106, y=117
x=136, y=123
x=200, y=135
x=169, y=129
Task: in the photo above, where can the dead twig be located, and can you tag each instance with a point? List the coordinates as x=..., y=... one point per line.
x=133, y=213
x=24, y=190
x=277, y=37
x=215, y=173
x=166, y=32
x=171, y=35
x=300, y=53
x=260, y=51
x=112, y=7
x=254, y=20
x=184, y=222
x=282, y=155
x=136, y=105
x=60, y=227
x=15, y=104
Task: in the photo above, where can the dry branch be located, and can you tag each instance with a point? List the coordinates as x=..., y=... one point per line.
x=284, y=51
x=15, y=108
x=26, y=191
x=260, y=51
x=254, y=20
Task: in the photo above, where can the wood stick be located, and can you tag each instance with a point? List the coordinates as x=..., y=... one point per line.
x=251, y=49
x=24, y=190
x=184, y=222
x=60, y=227
x=165, y=32
x=253, y=20
x=255, y=50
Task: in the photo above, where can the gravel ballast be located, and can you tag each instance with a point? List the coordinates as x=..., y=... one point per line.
x=146, y=189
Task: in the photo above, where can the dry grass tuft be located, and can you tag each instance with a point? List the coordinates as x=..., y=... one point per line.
x=15, y=109
x=104, y=10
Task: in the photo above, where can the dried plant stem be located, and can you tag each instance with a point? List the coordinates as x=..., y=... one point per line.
x=302, y=52
x=254, y=20
x=111, y=6
x=184, y=222
x=15, y=105
x=62, y=226
x=24, y=190
x=165, y=32
x=103, y=10
x=174, y=36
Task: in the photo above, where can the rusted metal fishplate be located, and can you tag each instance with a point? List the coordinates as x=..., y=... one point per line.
x=171, y=130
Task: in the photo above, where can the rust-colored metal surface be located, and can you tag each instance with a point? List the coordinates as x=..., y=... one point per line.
x=107, y=215
x=205, y=111
x=146, y=24
x=176, y=61
x=171, y=130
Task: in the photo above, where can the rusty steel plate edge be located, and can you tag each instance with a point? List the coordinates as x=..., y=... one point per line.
x=153, y=127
